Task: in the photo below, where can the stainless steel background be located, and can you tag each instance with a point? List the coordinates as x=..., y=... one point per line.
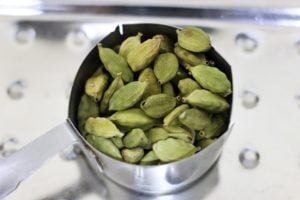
x=43, y=44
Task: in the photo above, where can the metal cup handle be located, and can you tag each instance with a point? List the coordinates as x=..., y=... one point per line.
x=24, y=162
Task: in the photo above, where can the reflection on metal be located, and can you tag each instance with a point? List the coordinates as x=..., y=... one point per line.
x=249, y=99
x=249, y=158
x=245, y=42
x=16, y=89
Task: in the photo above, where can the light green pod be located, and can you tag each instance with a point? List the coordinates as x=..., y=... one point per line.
x=166, y=44
x=179, y=133
x=215, y=128
x=212, y=79
x=158, y=105
x=115, y=64
x=187, y=86
x=129, y=44
x=133, y=155
x=206, y=100
x=128, y=95
x=168, y=89
x=195, y=118
x=87, y=108
x=173, y=149
x=135, y=138
x=193, y=39
x=205, y=143
x=103, y=127
x=133, y=118
x=188, y=57
x=114, y=86
x=165, y=67
x=104, y=145
x=118, y=141
x=153, y=87
x=149, y=159
x=143, y=55
x=156, y=134
x=168, y=119
x=96, y=85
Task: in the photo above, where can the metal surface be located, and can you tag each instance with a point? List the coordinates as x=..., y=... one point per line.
x=23, y=163
x=144, y=179
x=49, y=60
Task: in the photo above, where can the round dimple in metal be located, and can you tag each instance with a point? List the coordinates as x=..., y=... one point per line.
x=249, y=99
x=25, y=35
x=249, y=158
x=16, y=89
x=77, y=38
x=246, y=42
x=297, y=97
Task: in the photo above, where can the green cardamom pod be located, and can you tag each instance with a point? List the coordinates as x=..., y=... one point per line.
x=179, y=133
x=166, y=44
x=135, y=138
x=103, y=127
x=133, y=155
x=129, y=44
x=174, y=114
x=187, y=86
x=95, y=86
x=212, y=79
x=168, y=89
x=143, y=55
x=156, y=134
x=128, y=95
x=87, y=108
x=207, y=100
x=165, y=67
x=205, y=143
x=158, y=105
x=114, y=86
x=153, y=87
x=215, y=128
x=133, y=118
x=118, y=141
x=149, y=159
x=188, y=57
x=104, y=145
x=173, y=149
x=195, y=118
x=193, y=39
x=115, y=64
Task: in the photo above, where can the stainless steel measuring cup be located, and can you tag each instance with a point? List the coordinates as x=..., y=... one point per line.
x=147, y=179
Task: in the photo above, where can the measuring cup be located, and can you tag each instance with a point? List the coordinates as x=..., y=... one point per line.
x=157, y=179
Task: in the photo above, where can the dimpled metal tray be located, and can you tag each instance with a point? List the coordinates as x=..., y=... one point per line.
x=43, y=44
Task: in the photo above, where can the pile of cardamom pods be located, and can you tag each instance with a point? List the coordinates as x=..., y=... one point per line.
x=155, y=101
